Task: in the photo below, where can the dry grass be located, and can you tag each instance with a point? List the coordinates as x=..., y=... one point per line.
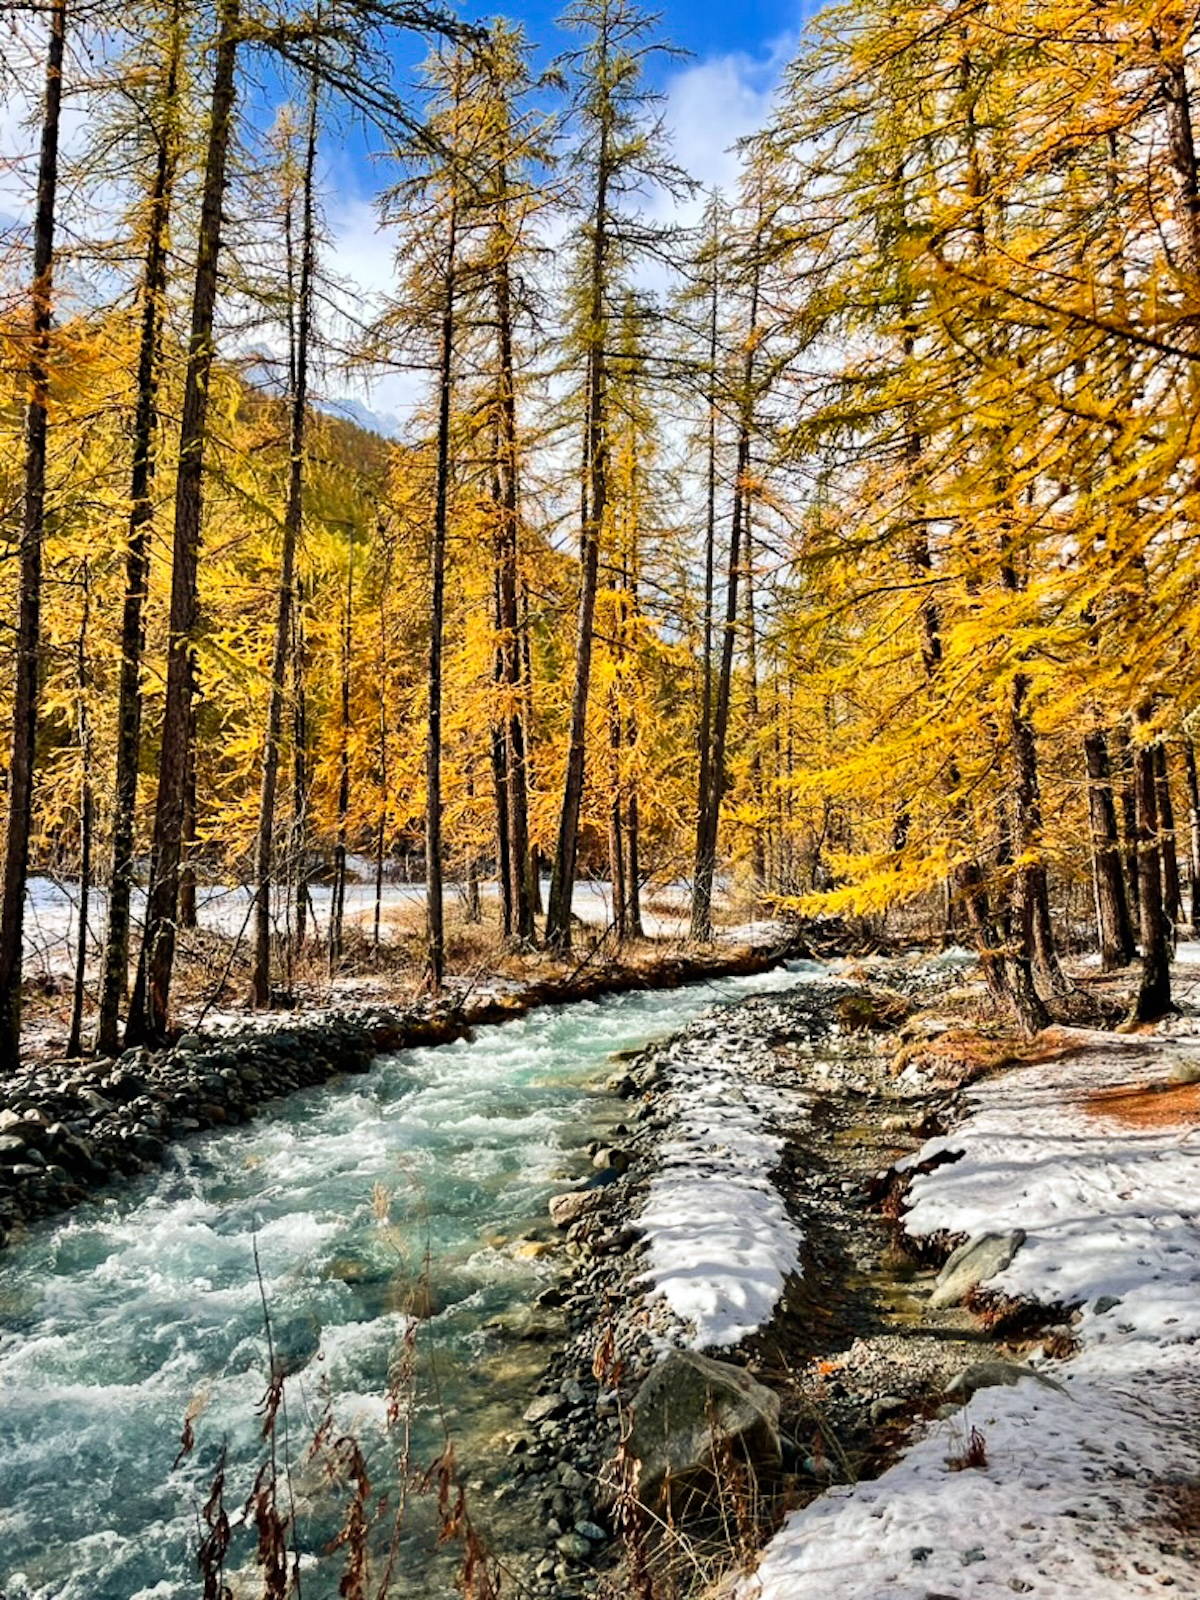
x=1147, y=1105
x=961, y=1055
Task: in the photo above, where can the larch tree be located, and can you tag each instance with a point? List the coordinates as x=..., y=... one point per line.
x=33, y=533
x=620, y=154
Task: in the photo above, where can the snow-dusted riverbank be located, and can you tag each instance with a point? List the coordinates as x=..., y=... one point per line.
x=1088, y=1489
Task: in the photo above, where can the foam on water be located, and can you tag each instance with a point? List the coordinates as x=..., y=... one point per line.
x=113, y=1319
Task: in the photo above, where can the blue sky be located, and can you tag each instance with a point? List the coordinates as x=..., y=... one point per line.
x=720, y=91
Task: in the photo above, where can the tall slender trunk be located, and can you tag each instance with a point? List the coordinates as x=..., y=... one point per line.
x=633, y=842
x=337, y=902
x=515, y=732
x=533, y=875
x=435, y=960
x=500, y=758
x=1034, y=947
x=616, y=830
x=299, y=822
x=758, y=855
x=709, y=819
x=114, y=976
x=702, y=892
x=1168, y=858
x=1154, y=993
x=33, y=531
x=384, y=702
x=594, y=506
x=1124, y=767
x=188, y=842
x=1115, y=929
x=1193, y=789
x=86, y=816
x=151, y=1000
x=264, y=852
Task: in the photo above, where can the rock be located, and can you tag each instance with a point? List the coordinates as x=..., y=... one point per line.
x=545, y=1408
x=532, y=1249
x=1106, y=1302
x=574, y=1546
x=610, y=1156
x=591, y=1531
x=12, y=1149
x=994, y=1374
x=973, y=1263
x=568, y=1208
x=689, y=1411
x=886, y=1406
x=1184, y=1071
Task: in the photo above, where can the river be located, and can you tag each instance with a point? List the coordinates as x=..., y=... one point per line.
x=419, y=1184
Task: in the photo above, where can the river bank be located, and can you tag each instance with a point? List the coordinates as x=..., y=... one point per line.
x=70, y=1127
x=993, y=1295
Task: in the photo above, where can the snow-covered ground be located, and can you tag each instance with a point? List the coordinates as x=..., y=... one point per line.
x=1090, y=1489
x=720, y=1244
x=52, y=913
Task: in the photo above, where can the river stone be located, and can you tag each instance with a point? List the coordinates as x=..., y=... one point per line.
x=973, y=1263
x=574, y=1546
x=568, y=1208
x=12, y=1149
x=689, y=1410
x=1184, y=1071
x=544, y=1408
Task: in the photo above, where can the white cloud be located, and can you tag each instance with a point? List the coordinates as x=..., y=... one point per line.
x=714, y=102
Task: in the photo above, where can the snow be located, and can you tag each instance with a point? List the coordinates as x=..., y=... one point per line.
x=1080, y=1488
x=52, y=913
x=720, y=1244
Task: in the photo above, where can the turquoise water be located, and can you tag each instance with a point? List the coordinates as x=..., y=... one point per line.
x=435, y=1166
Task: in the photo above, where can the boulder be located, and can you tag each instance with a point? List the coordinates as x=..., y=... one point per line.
x=973, y=1263
x=688, y=1414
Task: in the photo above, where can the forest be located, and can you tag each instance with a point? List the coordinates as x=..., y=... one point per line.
x=840, y=546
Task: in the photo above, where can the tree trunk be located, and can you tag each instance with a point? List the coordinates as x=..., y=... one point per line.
x=1033, y=908
x=757, y=856
x=533, y=875
x=114, y=976
x=299, y=830
x=435, y=961
x=1168, y=858
x=515, y=736
x=149, y=1011
x=1115, y=928
x=33, y=531
x=337, y=903
x=264, y=852
x=616, y=830
x=86, y=813
x=1154, y=994
x=594, y=501
x=1124, y=766
x=187, y=869
x=709, y=819
x=1193, y=788
x=701, y=923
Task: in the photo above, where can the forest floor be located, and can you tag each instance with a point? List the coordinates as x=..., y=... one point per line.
x=1035, y=1433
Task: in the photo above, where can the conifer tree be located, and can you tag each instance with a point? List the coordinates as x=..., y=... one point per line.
x=620, y=151
x=33, y=533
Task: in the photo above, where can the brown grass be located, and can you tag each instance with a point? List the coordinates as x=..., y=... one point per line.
x=962, y=1055
x=1147, y=1105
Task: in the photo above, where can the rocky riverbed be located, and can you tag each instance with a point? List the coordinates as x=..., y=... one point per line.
x=860, y=1347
